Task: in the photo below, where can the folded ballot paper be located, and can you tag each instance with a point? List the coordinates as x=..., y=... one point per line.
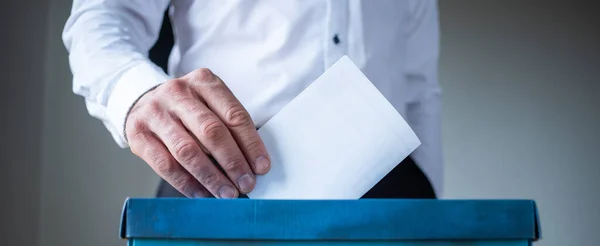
x=335, y=140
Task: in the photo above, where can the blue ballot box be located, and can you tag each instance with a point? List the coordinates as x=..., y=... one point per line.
x=195, y=222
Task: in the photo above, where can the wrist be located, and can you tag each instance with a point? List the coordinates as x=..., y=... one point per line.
x=129, y=89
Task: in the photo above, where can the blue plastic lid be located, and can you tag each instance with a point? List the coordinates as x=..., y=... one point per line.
x=365, y=219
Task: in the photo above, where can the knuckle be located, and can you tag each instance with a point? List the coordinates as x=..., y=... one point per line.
x=208, y=178
x=135, y=140
x=136, y=129
x=233, y=165
x=204, y=117
x=153, y=108
x=181, y=183
x=153, y=113
x=175, y=87
x=202, y=75
x=254, y=146
x=213, y=130
x=137, y=136
x=237, y=116
x=186, y=151
x=164, y=166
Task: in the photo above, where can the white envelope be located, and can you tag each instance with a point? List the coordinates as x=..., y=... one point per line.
x=335, y=140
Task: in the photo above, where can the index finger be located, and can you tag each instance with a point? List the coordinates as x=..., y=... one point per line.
x=227, y=107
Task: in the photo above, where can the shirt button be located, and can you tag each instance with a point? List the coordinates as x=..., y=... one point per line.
x=336, y=39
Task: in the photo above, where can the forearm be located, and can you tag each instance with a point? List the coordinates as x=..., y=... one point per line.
x=108, y=43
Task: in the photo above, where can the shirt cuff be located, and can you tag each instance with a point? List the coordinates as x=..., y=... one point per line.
x=132, y=84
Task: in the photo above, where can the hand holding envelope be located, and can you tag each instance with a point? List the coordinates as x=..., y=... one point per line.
x=335, y=140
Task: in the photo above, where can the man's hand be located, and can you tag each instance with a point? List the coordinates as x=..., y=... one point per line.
x=175, y=126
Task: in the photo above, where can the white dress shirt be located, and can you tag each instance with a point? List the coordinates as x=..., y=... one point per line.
x=266, y=51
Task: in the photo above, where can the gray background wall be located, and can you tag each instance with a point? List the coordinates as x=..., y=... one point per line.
x=522, y=108
x=22, y=45
x=520, y=117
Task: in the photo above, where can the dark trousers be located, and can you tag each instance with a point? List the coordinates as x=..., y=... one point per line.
x=406, y=180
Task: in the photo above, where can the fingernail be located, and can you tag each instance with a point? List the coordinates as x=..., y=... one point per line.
x=227, y=192
x=246, y=183
x=262, y=164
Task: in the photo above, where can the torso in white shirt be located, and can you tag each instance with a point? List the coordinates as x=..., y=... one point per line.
x=268, y=51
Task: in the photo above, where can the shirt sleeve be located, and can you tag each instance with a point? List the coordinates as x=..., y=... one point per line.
x=108, y=43
x=424, y=113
